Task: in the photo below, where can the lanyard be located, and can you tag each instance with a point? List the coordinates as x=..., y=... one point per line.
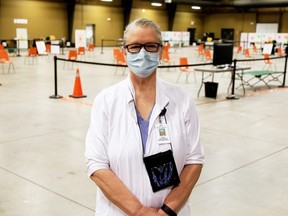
x=162, y=129
x=163, y=113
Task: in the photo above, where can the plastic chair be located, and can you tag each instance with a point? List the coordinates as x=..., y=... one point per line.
x=254, y=48
x=12, y=51
x=185, y=69
x=208, y=56
x=81, y=52
x=116, y=52
x=72, y=56
x=32, y=53
x=165, y=57
x=239, y=50
x=90, y=49
x=201, y=51
x=280, y=52
x=247, y=53
x=48, y=48
x=166, y=47
x=119, y=60
x=4, y=59
x=165, y=60
x=268, y=63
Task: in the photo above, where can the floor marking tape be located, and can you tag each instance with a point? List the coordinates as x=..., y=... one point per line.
x=68, y=99
x=266, y=91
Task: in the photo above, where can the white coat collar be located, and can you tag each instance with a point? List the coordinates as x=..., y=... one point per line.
x=162, y=98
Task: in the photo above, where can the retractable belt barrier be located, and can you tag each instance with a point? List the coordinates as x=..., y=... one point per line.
x=235, y=61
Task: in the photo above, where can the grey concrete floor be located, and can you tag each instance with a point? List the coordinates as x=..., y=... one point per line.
x=42, y=168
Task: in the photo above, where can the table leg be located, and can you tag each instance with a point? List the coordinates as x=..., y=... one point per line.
x=233, y=96
x=202, y=81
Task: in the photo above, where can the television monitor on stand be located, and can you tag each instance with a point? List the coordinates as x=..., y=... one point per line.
x=223, y=55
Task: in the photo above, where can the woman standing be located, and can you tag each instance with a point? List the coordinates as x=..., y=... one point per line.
x=142, y=147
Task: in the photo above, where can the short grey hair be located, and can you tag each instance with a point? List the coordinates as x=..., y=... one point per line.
x=142, y=22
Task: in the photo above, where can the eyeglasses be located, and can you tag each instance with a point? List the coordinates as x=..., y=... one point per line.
x=149, y=47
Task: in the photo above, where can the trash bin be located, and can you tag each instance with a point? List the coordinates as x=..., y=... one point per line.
x=211, y=89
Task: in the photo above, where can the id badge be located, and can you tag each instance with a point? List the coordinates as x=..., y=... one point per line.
x=162, y=133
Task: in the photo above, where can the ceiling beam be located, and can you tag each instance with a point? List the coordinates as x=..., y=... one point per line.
x=70, y=7
x=127, y=6
x=171, y=9
x=235, y=3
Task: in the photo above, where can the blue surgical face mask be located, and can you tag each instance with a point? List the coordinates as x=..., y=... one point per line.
x=142, y=63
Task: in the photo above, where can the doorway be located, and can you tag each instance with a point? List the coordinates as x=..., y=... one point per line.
x=192, y=35
x=227, y=34
x=90, y=34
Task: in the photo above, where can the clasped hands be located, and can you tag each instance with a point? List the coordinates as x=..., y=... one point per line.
x=147, y=211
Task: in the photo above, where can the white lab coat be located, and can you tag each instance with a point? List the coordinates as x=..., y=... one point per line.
x=114, y=141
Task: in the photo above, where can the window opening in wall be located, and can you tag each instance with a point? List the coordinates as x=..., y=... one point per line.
x=20, y=21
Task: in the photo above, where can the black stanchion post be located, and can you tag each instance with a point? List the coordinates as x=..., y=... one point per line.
x=102, y=46
x=62, y=44
x=55, y=96
x=18, y=47
x=285, y=71
x=233, y=96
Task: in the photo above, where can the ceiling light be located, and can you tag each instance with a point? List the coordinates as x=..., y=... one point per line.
x=156, y=4
x=107, y=0
x=196, y=7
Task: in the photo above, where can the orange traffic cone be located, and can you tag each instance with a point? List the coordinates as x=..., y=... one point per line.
x=77, y=93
